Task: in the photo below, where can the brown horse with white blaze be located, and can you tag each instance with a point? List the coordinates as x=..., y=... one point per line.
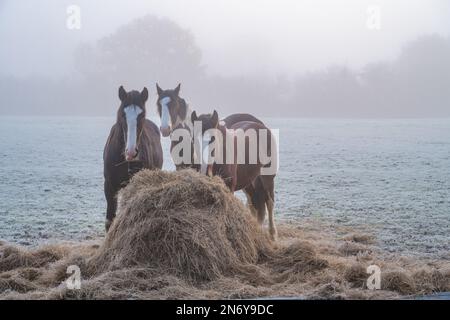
x=134, y=141
x=241, y=171
x=175, y=114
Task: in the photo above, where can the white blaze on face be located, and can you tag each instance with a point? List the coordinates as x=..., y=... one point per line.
x=131, y=114
x=205, y=141
x=165, y=115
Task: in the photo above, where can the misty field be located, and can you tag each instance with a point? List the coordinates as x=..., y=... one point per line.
x=183, y=235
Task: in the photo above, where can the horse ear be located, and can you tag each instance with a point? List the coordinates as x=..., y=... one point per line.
x=215, y=119
x=177, y=89
x=193, y=116
x=158, y=89
x=144, y=94
x=122, y=93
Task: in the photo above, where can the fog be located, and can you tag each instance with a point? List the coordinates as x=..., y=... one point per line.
x=319, y=58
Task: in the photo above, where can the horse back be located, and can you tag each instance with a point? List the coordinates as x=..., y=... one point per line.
x=245, y=125
x=253, y=169
x=239, y=117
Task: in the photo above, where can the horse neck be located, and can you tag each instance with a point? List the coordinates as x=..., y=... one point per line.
x=226, y=134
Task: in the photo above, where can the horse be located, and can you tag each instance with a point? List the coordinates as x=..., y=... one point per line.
x=240, y=175
x=133, y=143
x=175, y=114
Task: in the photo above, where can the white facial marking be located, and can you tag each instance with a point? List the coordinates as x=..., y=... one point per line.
x=131, y=114
x=205, y=141
x=165, y=115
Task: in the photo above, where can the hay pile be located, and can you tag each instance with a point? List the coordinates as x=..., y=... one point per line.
x=181, y=235
x=184, y=223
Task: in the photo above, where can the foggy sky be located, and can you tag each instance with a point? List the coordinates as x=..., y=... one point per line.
x=236, y=37
x=312, y=58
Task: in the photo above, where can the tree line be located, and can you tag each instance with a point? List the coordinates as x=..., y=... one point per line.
x=151, y=49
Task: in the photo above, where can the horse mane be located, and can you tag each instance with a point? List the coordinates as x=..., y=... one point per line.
x=119, y=115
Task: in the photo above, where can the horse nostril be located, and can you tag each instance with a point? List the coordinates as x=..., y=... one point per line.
x=130, y=154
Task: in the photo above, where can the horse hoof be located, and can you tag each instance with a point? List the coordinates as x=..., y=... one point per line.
x=108, y=224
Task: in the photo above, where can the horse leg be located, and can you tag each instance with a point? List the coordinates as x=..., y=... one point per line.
x=259, y=199
x=269, y=186
x=250, y=193
x=111, y=205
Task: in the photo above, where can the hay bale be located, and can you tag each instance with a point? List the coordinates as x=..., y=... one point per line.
x=184, y=223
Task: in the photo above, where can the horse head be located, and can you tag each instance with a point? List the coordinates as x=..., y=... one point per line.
x=209, y=123
x=131, y=117
x=171, y=108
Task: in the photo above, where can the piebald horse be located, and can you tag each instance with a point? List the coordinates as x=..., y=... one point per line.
x=134, y=142
x=245, y=175
x=175, y=114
